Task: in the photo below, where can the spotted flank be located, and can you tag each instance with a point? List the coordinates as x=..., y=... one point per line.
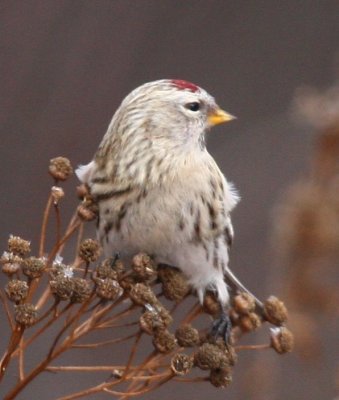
x=98, y=197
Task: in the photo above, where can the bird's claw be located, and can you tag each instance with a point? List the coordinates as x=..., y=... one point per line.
x=115, y=258
x=222, y=327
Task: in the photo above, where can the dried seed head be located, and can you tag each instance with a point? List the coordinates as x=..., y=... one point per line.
x=164, y=341
x=26, y=314
x=181, y=364
x=105, y=270
x=87, y=210
x=249, y=322
x=89, y=250
x=151, y=321
x=18, y=246
x=127, y=282
x=282, y=340
x=228, y=351
x=243, y=303
x=164, y=314
x=159, y=311
x=221, y=377
x=16, y=290
x=275, y=311
x=119, y=267
x=60, y=168
x=57, y=193
x=187, y=336
x=108, y=289
x=142, y=294
x=62, y=287
x=33, y=267
x=211, y=304
x=234, y=317
x=10, y=269
x=10, y=263
x=174, y=284
x=144, y=267
x=210, y=356
x=81, y=290
x=82, y=191
x=61, y=270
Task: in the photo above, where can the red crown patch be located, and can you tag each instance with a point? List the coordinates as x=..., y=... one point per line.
x=184, y=85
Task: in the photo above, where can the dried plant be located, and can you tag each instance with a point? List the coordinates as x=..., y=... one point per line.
x=307, y=234
x=307, y=220
x=133, y=303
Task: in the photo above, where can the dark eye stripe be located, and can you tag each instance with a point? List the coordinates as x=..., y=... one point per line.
x=195, y=106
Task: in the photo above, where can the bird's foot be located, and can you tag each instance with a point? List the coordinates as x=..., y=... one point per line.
x=115, y=258
x=222, y=327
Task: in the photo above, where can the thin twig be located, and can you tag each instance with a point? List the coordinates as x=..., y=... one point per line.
x=53, y=353
x=87, y=392
x=43, y=298
x=79, y=239
x=126, y=325
x=92, y=390
x=21, y=360
x=59, y=246
x=82, y=368
x=95, y=316
x=105, y=343
x=150, y=358
x=48, y=311
x=192, y=314
x=12, y=346
x=74, y=223
x=132, y=353
x=252, y=347
x=72, y=320
x=142, y=391
x=44, y=225
x=74, y=220
x=58, y=221
x=8, y=313
x=44, y=327
x=191, y=380
x=121, y=314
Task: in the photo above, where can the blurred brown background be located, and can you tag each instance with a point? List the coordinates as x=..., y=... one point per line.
x=65, y=67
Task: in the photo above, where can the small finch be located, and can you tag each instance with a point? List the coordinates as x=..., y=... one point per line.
x=159, y=190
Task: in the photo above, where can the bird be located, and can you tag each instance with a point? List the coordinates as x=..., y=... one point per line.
x=160, y=191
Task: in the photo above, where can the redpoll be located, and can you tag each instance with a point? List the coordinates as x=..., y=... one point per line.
x=159, y=190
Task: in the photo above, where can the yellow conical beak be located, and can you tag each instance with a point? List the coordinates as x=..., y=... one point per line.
x=219, y=116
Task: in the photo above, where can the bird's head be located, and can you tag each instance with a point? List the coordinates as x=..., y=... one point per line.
x=168, y=111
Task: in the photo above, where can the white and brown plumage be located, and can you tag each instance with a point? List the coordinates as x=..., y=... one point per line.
x=158, y=188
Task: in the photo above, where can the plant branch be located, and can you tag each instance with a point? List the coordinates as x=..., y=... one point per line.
x=44, y=225
x=8, y=313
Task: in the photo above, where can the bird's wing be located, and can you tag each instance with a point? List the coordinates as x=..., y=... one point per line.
x=229, y=233
x=102, y=186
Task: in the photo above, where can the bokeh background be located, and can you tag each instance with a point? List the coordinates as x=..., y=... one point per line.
x=65, y=67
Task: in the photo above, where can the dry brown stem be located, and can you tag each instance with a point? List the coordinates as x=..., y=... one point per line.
x=125, y=294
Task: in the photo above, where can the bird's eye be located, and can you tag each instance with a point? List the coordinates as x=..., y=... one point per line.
x=195, y=106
